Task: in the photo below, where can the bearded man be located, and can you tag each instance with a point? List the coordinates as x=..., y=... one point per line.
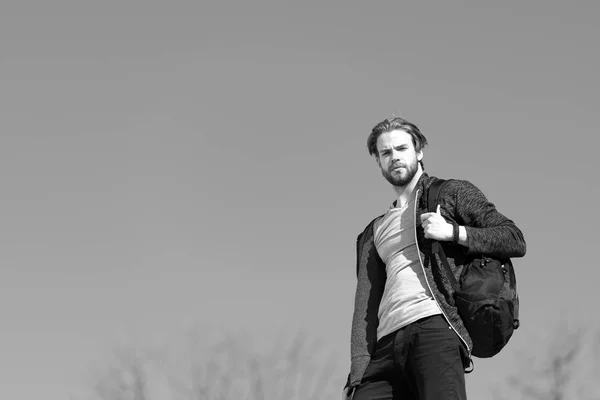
x=408, y=341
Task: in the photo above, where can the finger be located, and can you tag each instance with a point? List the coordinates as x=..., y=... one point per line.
x=425, y=216
x=438, y=212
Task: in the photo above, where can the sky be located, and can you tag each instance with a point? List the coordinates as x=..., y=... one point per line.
x=168, y=164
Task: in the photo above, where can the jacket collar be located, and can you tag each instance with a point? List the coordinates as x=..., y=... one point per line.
x=422, y=185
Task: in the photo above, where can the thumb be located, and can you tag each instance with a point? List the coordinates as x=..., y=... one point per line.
x=437, y=211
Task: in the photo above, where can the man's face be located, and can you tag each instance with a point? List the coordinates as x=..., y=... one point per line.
x=398, y=160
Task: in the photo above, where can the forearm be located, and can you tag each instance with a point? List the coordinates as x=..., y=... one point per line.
x=448, y=235
x=499, y=241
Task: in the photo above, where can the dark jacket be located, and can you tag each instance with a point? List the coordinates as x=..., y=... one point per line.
x=488, y=232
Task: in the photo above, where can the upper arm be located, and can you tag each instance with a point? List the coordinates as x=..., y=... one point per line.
x=488, y=230
x=473, y=207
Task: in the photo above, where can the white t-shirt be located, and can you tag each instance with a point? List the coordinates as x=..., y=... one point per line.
x=406, y=297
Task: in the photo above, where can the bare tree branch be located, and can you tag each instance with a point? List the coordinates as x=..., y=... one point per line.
x=222, y=370
x=562, y=375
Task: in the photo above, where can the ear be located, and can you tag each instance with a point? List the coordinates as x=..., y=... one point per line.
x=377, y=161
x=420, y=155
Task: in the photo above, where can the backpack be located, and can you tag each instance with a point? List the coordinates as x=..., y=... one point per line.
x=485, y=295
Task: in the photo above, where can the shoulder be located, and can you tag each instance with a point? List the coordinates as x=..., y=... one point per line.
x=459, y=195
x=453, y=187
x=369, y=228
x=465, y=199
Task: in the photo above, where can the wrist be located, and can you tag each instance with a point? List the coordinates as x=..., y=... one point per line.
x=463, y=238
x=455, y=233
x=449, y=231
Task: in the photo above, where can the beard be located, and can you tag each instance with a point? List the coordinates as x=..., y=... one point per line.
x=401, y=177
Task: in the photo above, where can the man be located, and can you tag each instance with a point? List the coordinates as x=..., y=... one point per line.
x=408, y=341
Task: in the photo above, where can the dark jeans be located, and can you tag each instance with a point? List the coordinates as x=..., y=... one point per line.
x=422, y=361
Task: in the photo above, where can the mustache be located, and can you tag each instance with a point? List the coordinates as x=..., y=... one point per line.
x=396, y=165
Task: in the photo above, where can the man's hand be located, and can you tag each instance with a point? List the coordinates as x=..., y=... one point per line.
x=435, y=226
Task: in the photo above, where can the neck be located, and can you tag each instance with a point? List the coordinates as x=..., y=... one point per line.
x=404, y=193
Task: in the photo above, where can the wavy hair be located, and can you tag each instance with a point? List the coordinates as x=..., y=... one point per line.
x=396, y=123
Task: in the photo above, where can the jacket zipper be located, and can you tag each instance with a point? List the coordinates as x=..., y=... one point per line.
x=426, y=280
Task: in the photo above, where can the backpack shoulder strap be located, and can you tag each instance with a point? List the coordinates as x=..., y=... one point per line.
x=433, y=194
x=432, y=202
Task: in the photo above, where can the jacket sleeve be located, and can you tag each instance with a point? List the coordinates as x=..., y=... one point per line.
x=369, y=290
x=488, y=231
